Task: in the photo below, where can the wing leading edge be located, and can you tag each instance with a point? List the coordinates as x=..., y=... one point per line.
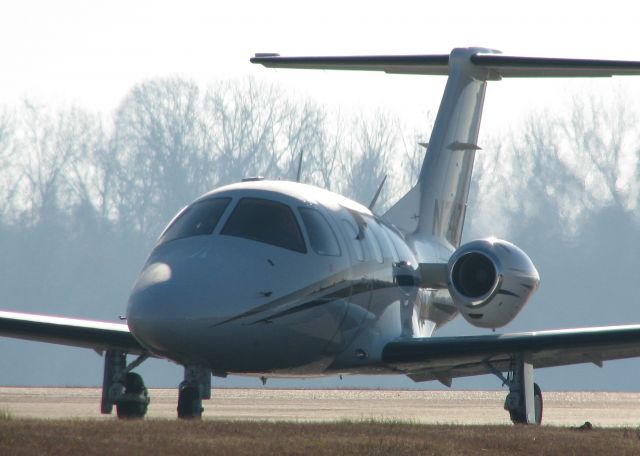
x=444, y=358
x=97, y=335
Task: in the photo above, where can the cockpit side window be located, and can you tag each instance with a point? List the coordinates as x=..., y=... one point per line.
x=265, y=221
x=321, y=236
x=198, y=219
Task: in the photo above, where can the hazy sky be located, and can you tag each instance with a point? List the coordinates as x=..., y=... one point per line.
x=91, y=53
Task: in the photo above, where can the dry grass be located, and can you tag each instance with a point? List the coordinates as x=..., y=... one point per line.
x=98, y=437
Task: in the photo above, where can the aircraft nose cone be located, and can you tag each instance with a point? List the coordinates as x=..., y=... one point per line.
x=189, y=285
x=170, y=294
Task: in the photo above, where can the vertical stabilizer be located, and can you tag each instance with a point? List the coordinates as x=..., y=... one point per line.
x=446, y=172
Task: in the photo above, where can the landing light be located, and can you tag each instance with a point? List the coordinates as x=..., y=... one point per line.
x=153, y=274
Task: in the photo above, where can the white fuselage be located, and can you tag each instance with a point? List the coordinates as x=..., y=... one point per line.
x=283, y=278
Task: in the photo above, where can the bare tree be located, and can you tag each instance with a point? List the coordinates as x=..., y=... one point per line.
x=369, y=160
x=325, y=160
x=159, y=145
x=49, y=143
x=606, y=151
x=560, y=169
x=253, y=129
x=9, y=174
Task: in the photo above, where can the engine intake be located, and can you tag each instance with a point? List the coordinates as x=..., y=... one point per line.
x=474, y=275
x=490, y=281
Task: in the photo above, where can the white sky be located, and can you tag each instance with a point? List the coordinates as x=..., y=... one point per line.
x=91, y=53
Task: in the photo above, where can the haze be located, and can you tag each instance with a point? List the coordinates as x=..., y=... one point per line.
x=577, y=216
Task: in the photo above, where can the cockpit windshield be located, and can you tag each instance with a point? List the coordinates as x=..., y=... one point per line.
x=265, y=221
x=198, y=219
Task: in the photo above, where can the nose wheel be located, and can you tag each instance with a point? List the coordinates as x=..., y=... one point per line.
x=189, y=403
x=195, y=387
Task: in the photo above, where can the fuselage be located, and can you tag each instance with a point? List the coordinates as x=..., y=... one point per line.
x=280, y=278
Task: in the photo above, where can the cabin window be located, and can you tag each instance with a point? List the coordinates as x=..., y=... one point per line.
x=388, y=251
x=265, y=221
x=355, y=240
x=372, y=242
x=199, y=219
x=321, y=237
x=404, y=252
x=387, y=235
x=365, y=235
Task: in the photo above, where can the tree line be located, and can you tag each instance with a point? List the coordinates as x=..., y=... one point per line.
x=170, y=141
x=82, y=192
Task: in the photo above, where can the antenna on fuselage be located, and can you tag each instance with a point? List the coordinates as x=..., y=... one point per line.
x=375, y=197
x=300, y=165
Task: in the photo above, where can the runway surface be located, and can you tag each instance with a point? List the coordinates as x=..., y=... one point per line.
x=457, y=407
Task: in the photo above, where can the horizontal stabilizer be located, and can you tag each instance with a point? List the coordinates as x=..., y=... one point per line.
x=403, y=64
x=497, y=65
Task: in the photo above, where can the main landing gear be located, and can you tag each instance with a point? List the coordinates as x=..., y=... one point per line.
x=123, y=388
x=524, y=401
x=126, y=390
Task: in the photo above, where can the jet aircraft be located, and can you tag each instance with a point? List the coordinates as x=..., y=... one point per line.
x=281, y=279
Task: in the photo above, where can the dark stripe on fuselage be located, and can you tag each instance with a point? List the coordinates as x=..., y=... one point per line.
x=357, y=287
x=319, y=292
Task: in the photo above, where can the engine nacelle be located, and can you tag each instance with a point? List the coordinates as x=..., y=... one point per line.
x=490, y=281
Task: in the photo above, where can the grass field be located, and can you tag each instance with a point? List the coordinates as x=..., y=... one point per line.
x=160, y=437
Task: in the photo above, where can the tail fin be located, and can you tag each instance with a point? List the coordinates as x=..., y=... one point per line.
x=446, y=171
x=436, y=206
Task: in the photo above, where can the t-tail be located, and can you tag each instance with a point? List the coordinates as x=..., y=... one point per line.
x=433, y=212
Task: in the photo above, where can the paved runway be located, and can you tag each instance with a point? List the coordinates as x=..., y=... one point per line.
x=458, y=407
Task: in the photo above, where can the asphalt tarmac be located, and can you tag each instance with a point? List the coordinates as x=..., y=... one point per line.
x=434, y=407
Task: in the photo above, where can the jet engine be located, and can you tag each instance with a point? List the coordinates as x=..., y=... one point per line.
x=490, y=281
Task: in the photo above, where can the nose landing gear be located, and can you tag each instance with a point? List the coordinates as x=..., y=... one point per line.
x=195, y=387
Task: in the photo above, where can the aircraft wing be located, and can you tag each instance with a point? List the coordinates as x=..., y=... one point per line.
x=444, y=358
x=98, y=335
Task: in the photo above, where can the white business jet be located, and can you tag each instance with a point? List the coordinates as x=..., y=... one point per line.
x=281, y=279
